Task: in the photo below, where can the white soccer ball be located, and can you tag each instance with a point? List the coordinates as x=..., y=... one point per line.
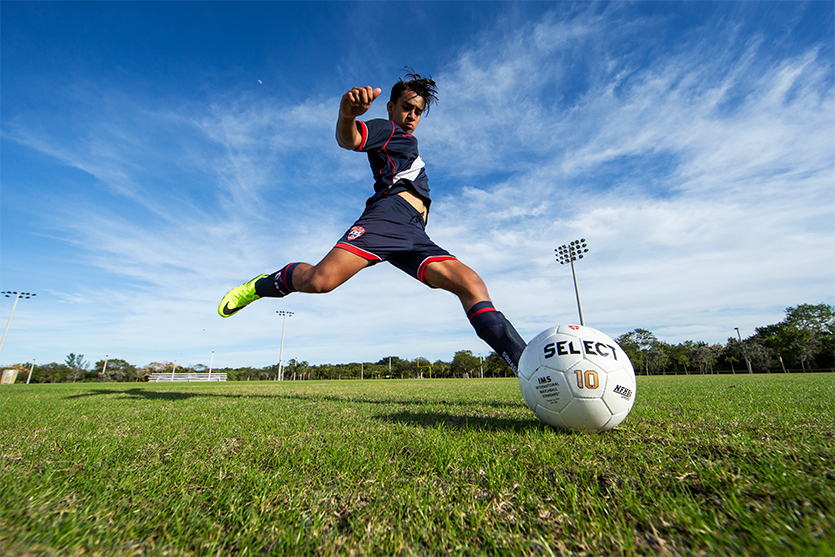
x=577, y=378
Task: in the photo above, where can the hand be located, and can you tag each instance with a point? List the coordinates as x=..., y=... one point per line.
x=357, y=101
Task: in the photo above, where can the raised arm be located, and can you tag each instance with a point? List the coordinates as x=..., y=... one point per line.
x=355, y=103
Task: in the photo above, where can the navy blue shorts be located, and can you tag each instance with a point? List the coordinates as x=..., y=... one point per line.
x=392, y=230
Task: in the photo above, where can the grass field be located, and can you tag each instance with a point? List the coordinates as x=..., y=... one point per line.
x=710, y=465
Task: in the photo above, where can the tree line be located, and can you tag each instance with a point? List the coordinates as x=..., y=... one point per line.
x=803, y=341
x=76, y=369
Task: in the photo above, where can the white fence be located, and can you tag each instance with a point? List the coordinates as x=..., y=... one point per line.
x=185, y=377
x=9, y=376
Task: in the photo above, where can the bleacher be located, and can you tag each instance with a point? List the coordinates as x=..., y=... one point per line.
x=185, y=377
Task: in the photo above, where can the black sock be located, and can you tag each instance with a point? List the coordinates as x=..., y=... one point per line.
x=494, y=329
x=278, y=284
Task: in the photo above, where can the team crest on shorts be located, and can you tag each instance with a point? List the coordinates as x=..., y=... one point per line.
x=355, y=232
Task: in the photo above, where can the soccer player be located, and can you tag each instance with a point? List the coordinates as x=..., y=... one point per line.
x=392, y=227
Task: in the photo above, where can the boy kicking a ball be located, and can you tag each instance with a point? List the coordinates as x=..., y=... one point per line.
x=392, y=227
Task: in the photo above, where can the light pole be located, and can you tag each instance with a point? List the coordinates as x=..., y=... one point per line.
x=744, y=352
x=17, y=296
x=285, y=315
x=569, y=253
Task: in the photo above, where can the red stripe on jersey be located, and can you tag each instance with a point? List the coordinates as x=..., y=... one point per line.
x=367, y=255
x=427, y=261
x=364, y=132
x=393, y=129
x=383, y=149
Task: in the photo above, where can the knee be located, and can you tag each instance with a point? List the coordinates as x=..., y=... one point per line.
x=457, y=278
x=473, y=286
x=318, y=283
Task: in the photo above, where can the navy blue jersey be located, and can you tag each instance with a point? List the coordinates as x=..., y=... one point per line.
x=393, y=155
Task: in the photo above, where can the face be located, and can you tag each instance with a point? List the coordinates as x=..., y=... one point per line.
x=406, y=111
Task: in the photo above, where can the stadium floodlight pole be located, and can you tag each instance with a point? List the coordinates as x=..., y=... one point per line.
x=17, y=296
x=744, y=352
x=569, y=253
x=284, y=314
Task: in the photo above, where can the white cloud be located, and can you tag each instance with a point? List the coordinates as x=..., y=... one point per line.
x=713, y=231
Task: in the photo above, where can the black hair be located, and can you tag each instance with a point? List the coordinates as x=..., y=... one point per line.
x=423, y=87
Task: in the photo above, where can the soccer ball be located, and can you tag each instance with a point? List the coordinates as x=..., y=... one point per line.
x=577, y=378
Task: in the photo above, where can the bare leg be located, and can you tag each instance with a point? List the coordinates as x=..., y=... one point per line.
x=490, y=325
x=453, y=276
x=334, y=269
x=337, y=267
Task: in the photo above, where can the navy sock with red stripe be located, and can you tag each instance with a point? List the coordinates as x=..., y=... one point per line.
x=494, y=329
x=278, y=284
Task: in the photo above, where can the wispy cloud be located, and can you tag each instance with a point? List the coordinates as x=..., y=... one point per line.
x=690, y=178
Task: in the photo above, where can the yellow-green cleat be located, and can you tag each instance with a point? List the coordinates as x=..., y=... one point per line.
x=239, y=297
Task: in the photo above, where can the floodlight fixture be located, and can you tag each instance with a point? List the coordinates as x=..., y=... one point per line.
x=17, y=296
x=568, y=254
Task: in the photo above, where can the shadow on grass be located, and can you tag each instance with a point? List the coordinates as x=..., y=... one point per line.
x=150, y=395
x=142, y=393
x=421, y=418
x=439, y=420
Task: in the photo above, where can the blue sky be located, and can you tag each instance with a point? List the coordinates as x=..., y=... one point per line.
x=156, y=154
